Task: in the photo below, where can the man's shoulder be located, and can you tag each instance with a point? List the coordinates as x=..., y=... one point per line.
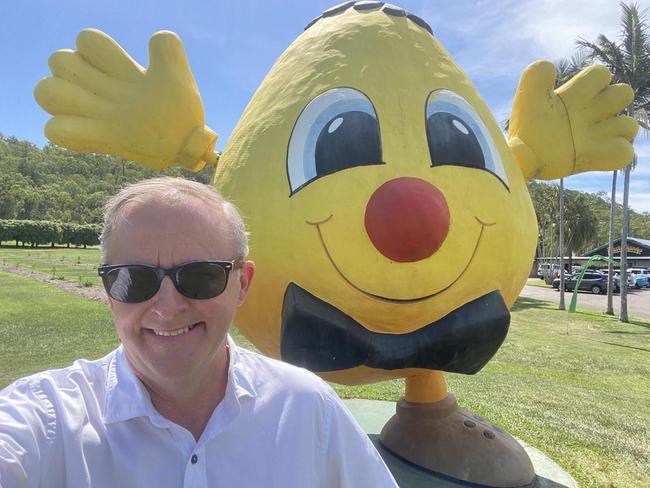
x=271, y=374
x=80, y=374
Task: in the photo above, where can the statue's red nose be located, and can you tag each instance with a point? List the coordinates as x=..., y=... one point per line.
x=407, y=219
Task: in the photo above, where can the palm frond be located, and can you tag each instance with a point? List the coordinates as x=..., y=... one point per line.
x=579, y=61
x=641, y=116
x=568, y=68
x=606, y=52
x=628, y=61
x=635, y=44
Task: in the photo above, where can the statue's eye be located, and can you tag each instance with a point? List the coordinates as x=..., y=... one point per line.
x=457, y=135
x=337, y=130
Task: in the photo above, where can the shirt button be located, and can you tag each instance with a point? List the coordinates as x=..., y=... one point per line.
x=194, y=459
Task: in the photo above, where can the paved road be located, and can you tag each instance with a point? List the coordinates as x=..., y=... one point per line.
x=638, y=301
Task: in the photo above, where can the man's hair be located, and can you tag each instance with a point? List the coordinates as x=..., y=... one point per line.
x=176, y=190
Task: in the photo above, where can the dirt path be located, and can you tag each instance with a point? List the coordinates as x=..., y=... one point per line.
x=91, y=293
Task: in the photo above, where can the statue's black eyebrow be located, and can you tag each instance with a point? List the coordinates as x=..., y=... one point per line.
x=387, y=8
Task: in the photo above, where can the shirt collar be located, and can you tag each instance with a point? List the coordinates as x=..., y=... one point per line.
x=127, y=398
x=240, y=376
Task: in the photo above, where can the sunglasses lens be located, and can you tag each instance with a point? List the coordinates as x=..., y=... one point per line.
x=201, y=280
x=132, y=284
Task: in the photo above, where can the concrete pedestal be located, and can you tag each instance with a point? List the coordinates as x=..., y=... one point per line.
x=372, y=415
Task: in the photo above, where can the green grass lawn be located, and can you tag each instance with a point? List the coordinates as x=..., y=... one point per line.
x=537, y=282
x=582, y=398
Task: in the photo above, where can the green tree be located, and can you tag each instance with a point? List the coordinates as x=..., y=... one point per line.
x=59, y=185
x=580, y=219
x=580, y=223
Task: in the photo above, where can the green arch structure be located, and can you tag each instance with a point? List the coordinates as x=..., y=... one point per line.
x=574, y=299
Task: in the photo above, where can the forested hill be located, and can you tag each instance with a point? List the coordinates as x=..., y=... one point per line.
x=55, y=184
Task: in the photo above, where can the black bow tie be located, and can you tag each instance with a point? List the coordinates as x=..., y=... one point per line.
x=319, y=337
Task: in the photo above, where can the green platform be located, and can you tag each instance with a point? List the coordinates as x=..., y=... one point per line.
x=373, y=414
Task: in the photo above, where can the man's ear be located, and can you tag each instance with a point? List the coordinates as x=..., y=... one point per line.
x=109, y=300
x=246, y=273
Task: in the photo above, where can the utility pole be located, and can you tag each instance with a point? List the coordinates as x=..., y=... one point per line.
x=626, y=196
x=610, y=251
x=561, y=246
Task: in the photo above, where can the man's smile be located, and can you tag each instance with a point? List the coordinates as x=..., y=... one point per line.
x=175, y=332
x=390, y=299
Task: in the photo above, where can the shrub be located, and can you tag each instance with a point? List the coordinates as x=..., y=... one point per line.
x=36, y=232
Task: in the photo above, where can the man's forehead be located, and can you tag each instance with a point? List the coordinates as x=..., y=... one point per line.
x=179, y=209
x=160, y=224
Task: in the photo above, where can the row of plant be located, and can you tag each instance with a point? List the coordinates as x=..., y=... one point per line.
x=39, y=232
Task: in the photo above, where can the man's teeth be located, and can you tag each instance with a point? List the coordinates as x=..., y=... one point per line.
x=170, y=333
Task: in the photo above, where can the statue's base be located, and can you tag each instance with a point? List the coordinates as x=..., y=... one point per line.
x=373, y=415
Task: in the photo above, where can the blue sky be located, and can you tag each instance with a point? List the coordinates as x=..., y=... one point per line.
x=231, y=46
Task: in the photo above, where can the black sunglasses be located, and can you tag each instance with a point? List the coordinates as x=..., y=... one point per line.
x=136, y=283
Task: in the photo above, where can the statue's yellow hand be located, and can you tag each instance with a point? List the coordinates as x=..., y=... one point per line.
x=575, y=128
x=103, y=101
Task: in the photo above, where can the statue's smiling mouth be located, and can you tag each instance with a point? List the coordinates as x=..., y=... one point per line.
x=318, y=225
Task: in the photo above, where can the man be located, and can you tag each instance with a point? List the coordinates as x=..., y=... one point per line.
x=178, y=403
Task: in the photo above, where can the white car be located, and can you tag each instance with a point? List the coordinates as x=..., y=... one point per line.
x=642, y=272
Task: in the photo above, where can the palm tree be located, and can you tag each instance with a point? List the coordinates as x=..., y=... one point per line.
x=629, y=63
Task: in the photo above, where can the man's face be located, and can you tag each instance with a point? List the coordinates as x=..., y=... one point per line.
x=161, y=234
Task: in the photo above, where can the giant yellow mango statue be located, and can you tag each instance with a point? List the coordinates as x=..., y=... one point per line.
x=390, y=220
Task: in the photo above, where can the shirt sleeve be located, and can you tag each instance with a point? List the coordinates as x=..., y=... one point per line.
x=351, y=458
x=27, y=434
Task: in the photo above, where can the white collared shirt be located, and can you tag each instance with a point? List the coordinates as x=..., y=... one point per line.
x=93, y=425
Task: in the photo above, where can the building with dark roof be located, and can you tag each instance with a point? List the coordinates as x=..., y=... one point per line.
x=638, y=252
x=638, y=256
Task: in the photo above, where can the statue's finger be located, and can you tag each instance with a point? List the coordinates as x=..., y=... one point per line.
x=623, y=126
x=60, y=97
x=102, y=52
x=167, y=58
x=586, y=84
x=536, y=78
x=71, y=66
x=609, y=154
x=81, y=134
x=611, y=101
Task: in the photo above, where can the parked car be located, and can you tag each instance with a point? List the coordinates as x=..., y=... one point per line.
x=639, y=280
x=545, y=269
x=634, y=281
x=643, y=273
x=605, y=271
x=594, y=282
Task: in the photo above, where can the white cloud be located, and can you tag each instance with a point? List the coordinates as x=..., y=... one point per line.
x=602, y=181
x=498, y=39
x=640, y=201
x=501, y=110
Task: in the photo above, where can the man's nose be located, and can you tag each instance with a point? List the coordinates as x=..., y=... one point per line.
x=168, y=302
